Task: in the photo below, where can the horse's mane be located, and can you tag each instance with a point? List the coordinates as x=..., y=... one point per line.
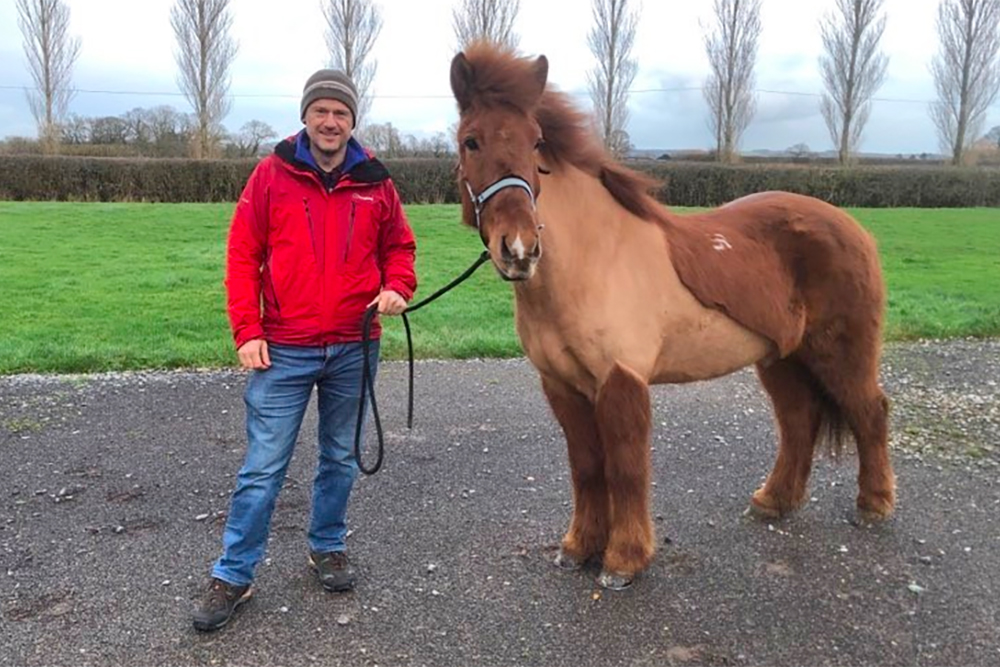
x=502, y=78
x=570, y=136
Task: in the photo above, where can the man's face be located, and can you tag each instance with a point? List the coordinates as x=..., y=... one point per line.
x=328, y=125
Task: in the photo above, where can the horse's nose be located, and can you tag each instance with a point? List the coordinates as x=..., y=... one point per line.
x=514, y=251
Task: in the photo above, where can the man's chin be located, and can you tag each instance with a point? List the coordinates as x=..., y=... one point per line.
x=329, y=149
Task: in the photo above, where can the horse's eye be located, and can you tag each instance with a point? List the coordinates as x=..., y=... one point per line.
x=471, y=144
x=540, y=144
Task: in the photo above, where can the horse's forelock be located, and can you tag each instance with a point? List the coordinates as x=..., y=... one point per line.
x=501, y=78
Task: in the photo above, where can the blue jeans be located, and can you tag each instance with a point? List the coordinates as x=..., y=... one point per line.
x=276, y=400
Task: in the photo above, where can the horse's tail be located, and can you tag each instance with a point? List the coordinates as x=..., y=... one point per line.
x=834, y=435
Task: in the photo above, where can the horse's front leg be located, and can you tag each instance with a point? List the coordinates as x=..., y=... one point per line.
x=624, y=423
x=588, y=530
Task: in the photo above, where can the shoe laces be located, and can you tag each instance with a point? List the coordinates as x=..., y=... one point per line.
x=337, y=559
x=219, y=592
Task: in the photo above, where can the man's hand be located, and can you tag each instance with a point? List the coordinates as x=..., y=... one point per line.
x=389, y=303
x=253, y=354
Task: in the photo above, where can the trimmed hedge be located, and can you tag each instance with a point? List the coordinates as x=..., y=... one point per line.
x=428, y=180
x=37, y=178
x=122, y=179
x=424, y=180
x=687, y=184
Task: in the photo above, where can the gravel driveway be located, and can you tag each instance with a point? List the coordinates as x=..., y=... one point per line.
x=114, y=490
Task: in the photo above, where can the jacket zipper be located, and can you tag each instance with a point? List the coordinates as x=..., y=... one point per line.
x=309, y=219
x=350, y=231
x=317, y=252
x=274, y=289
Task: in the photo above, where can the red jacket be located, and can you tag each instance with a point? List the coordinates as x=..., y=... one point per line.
x=305, y=260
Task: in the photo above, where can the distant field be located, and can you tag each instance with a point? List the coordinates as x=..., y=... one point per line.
x=942, y=267
x=90, y=287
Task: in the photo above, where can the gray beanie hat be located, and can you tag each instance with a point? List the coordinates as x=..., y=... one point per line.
x=330, y=84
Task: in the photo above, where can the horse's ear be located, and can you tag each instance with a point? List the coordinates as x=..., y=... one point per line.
x=461, y=81
x=541, y=68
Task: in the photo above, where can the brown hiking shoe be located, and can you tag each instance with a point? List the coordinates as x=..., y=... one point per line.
x=333, y=570
x=219, y=604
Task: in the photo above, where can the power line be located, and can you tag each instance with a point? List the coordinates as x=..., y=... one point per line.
x=148, y=93
x=637, y=91
x=793, y=93
x=161, y=93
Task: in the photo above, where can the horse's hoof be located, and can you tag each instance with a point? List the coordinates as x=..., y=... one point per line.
x=761, y=513
x=567, y=562
x=614, y=581
x=869, y=517
x=768, y=510
x=875, y=508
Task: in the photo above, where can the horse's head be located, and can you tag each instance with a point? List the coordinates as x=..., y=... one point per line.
x=498, y=146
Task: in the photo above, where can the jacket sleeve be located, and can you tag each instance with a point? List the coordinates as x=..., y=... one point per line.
x=397, y=248
x=245, y=254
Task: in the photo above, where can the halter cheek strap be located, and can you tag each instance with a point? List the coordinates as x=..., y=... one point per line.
x=479, y=201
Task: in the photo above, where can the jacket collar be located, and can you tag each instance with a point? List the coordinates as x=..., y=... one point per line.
x=355, y=153
x=358, y=163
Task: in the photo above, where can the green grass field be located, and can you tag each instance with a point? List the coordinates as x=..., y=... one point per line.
x=91, y=287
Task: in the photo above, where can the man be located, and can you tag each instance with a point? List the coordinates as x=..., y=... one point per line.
x=318, y=236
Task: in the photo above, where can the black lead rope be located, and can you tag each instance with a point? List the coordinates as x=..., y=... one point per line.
x=368, y=385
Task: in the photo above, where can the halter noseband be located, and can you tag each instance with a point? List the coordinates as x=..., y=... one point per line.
x=479, y=201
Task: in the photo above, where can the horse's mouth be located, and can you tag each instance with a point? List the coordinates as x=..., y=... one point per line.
x=517, y=271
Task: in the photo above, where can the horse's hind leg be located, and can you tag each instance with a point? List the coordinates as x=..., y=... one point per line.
x=869, y=420
x=798, y=413
x=623, y=422
x=588, y=530
x=850, y=377
x=866, y=410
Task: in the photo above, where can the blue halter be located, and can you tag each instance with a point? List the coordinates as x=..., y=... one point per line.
x=479, y=201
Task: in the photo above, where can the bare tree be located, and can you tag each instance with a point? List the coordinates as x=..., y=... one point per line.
x=251, y=136
x=205, y=56
x=385, y=140
x=352, y=28
x=140, y=132
x=611, y=40
x=109, y=130
x=170, y=130
x=491, y=20
x=799, y=150
x=51, y=53
x=75, y=130
x=994, y=135
x=853, y=68
x=732, y=53
x=438, y=145
x=966, y=71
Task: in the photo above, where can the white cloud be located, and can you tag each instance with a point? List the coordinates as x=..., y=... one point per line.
x=129, y=46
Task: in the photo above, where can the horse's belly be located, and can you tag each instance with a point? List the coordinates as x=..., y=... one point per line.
x=710, y=346
x=696, y=347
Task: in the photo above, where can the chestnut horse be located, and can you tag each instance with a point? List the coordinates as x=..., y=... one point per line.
x=628, y=294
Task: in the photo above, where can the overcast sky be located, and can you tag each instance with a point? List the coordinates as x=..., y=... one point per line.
x=128, y=52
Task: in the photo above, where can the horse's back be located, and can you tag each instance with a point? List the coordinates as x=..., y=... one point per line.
x=776, y=211
x=756, y=197
x=778, y=262
x=818, y=240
